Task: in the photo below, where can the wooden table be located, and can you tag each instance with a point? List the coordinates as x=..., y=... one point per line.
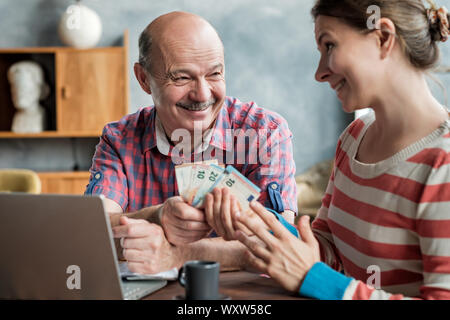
x=239, y=285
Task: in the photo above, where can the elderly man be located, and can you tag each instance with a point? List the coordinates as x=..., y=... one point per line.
x=182, y=67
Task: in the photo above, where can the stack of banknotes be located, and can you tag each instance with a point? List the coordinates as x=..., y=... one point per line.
x=197, y=179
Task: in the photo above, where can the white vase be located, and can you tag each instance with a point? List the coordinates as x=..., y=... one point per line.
x=80, y=27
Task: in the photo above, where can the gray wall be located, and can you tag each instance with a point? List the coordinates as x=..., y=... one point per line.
x=271, y=58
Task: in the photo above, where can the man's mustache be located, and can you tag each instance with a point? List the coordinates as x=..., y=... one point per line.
x=196, y=105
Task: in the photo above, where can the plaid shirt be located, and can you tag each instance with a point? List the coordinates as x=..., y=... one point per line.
x=133, y=163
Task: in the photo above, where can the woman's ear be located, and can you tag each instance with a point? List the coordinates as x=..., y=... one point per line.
x=386, y=33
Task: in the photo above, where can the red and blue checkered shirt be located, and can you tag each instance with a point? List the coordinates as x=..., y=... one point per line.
x=129, y=167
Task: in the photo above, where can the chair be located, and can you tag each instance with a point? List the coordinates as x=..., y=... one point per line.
x=19, y=180
x=311, y=187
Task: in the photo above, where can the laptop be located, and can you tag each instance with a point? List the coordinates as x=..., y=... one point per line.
x=61, y=247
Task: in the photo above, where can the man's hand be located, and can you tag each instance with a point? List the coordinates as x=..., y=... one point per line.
x=145, y=247
x=183, y=223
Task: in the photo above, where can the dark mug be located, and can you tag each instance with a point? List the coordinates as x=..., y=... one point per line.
x=200, y=279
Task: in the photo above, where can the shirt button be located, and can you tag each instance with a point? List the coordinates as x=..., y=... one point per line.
x=274, y=186
x=97, y=176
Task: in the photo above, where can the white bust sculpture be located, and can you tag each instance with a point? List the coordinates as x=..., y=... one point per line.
x=27, y=89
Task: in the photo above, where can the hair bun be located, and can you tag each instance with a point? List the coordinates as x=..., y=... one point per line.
x=439, y=23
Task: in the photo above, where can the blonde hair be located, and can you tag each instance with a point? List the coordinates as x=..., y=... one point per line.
x=418, y=37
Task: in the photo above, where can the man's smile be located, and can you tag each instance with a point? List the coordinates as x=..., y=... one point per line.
x=196, y=106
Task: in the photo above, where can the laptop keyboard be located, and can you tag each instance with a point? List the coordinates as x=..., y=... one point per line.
x=133, y=293
x=135, y=286
x=133, y=290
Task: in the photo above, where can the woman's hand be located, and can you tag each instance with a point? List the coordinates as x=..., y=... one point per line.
x=284, y=257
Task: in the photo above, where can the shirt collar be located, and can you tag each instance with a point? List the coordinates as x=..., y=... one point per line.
x=219, y=138
x=148, y=140
x=162, y=143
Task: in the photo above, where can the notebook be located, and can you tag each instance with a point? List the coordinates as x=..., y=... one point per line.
x=61, y=247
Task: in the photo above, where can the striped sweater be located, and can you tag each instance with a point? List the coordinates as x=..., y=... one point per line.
x=385, y=226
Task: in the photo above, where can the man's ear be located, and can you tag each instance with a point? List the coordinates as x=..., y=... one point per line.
x=142, y=77
x=386, y=36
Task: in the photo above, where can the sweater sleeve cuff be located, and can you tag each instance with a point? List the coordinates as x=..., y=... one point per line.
x=283, y=221
x=324, y=283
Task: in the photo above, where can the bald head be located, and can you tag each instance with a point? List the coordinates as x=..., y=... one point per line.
x=181, y=65
x=171, y=29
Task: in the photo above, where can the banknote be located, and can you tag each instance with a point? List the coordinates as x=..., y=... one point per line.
x=213, y=174
x=243, y=189
x=199, y=172
x=183, y=175
x=195, y=180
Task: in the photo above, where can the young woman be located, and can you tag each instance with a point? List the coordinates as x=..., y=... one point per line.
x=383, y=231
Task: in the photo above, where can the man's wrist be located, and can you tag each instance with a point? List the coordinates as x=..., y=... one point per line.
x=114, y=219
x=230, y=254
x=151, y=214
x=183, y=254
x=154, y=214
x=158, y=214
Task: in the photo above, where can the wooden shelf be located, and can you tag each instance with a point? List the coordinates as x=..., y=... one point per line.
x=64, y=182
x=64, y=174
x=49, y=134
x=57, y=49
x=88, y=89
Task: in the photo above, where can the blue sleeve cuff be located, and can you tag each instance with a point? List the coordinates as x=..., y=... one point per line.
x=280, y=218
x=283, y=221
x=324, y=283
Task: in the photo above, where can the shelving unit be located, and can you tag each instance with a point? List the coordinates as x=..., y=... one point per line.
x=89, y=88
x=49, y=134
x=64, y=182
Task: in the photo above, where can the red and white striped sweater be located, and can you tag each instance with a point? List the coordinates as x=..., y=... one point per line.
x=394, y=214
